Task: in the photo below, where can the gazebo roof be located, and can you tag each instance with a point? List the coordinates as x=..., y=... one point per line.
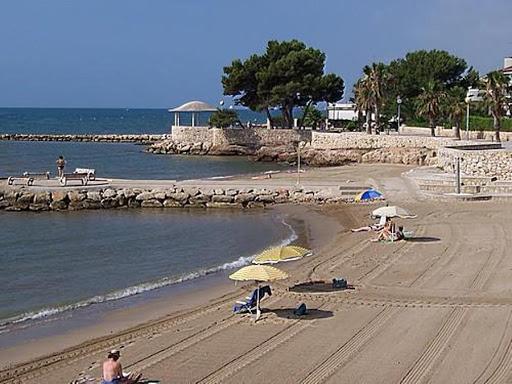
x=194, y=106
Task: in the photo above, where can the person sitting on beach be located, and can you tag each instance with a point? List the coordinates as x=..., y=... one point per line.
x=372, y=227
x=61, y=163
x=112, y=370
x=386, y=232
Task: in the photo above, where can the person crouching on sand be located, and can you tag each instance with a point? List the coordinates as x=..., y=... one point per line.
x=112, y=370
x=61, y=163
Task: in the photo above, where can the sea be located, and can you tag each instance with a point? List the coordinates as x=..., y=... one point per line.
x=55, y=263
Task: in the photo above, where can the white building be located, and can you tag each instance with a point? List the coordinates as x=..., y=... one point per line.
x=341, y=111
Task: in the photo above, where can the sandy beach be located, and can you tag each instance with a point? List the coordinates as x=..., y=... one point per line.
x=434, y=309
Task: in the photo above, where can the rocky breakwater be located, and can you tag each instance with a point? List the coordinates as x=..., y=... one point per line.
x=25, y=199
x=324, y=149
x=281, y=153
x=107, y=138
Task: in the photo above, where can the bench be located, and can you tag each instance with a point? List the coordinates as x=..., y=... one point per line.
x=29, y=177
x=91, y=173
x=83, y=177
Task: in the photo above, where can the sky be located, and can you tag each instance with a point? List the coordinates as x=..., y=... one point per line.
x=161, y=53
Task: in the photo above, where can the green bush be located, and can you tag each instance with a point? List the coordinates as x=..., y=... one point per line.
x=480, y=123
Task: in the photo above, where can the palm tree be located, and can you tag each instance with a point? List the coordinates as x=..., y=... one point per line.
x=429, y=103
x=456, y=110
x=376, y=75
x=363, y=101
x=496, y=87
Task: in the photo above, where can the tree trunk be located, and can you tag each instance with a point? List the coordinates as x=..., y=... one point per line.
x=432, y=124
x=456, y=129
x=290, y=115
x=306, y=110
x=377, y=120
x=269, y=117
x=369, y=121
x=497, y=126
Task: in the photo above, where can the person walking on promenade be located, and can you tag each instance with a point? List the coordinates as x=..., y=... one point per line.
x=112, y=370
x=61, y=163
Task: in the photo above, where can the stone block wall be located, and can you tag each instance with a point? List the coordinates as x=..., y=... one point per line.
x=479, y=163
x=191, y=135
x=446, y=132
x=249, y=137
x=356, y=140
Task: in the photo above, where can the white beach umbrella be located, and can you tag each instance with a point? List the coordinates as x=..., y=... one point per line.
x=392, y=211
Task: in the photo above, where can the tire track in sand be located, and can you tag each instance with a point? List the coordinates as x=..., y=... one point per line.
x=433, y=353
x=344, y=353
x=39, y=367
x=422, y=367
x=257, y=352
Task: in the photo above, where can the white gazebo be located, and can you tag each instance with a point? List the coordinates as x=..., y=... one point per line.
x=192, y=107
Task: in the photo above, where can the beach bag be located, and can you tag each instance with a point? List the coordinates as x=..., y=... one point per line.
x=301, y=310
x=339, y=283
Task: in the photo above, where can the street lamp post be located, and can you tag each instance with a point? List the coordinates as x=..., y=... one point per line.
x=467, y=119
x=398, y=103
x=298, y=162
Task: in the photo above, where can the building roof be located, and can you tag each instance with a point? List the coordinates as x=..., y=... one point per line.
x=194, y=106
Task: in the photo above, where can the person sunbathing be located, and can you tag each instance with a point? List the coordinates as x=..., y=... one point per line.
x=372, y=227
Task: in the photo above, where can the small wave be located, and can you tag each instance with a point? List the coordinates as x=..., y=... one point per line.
x=137, y=289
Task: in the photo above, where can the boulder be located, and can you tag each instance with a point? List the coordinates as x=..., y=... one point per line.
x=170, y=203
x=109, y=193
x=23, y=201
x=76, y=196
x=223, y=205
x=222, y=199
x=266, y=199
x=94, y=196
x=144, y=196
x=153, y=203
x=244, y=198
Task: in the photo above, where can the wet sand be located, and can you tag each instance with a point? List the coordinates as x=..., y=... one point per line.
x=437, y=308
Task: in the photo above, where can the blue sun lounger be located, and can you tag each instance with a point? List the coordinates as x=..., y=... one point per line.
x=249, y=304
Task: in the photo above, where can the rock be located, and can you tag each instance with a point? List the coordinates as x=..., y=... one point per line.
x=181, y=197
x=109, y=203
x=109, y=193
x=42, y=198
x=255, y=204
x=244, y=198
x=76, y=196
x=199, y=199
x=39, y=207
x=170, y=203
x=222, y=199
x=90, y=204
x=223, y=205
x=23, y=201
x=153, y=203
x=94, y=196
x=266, y=199
x=144, y=196
x=133, y=203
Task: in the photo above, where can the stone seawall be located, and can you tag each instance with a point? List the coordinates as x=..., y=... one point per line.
x=447, y=132
x=176, y=197
x=356, y=140
x=495, y=163
x=108, y=138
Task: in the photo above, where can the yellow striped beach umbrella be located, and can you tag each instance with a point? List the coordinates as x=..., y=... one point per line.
x=258, y=273
x=278, y=254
